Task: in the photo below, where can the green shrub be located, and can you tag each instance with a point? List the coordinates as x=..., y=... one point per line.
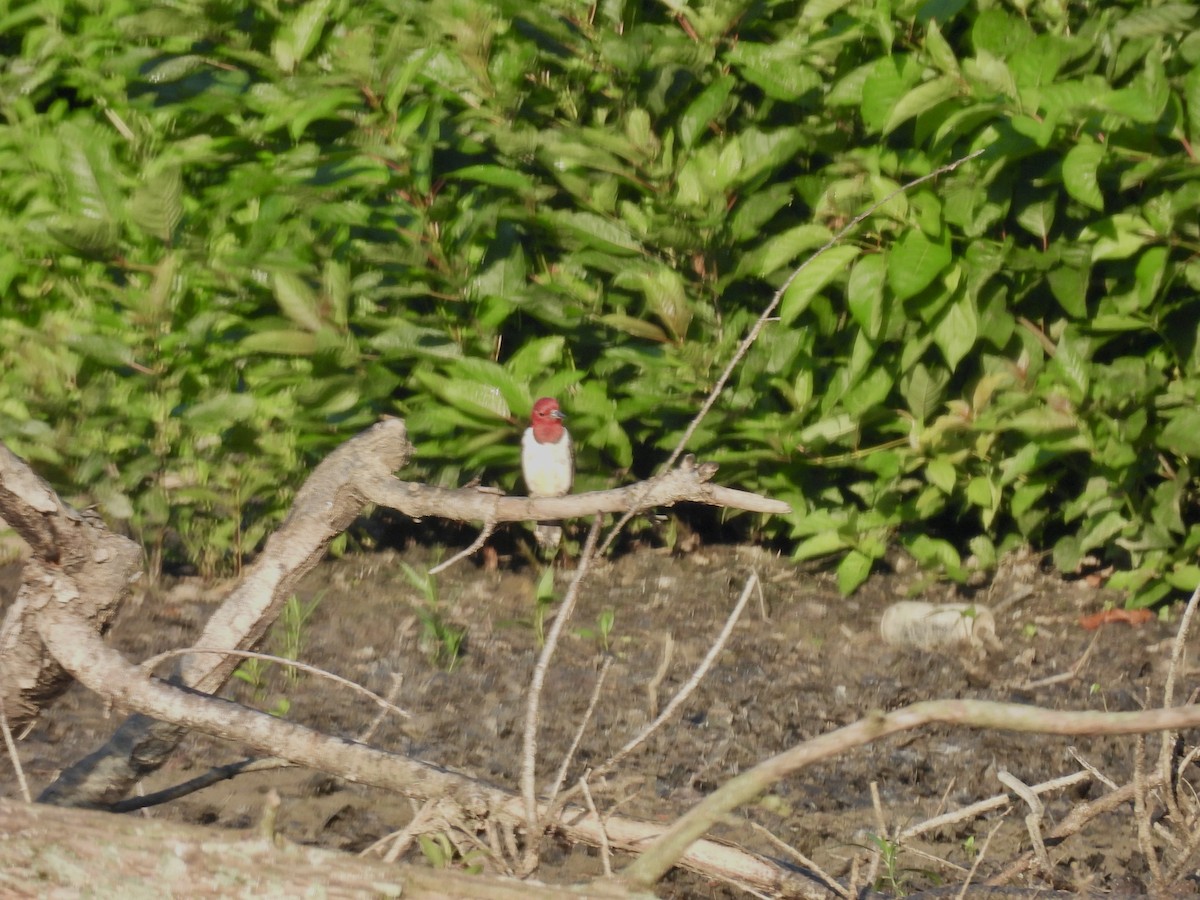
x=238, y=235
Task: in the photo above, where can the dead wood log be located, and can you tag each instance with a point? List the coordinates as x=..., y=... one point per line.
x=76, y=562
x=52, y=851
x=357, y=473
x=105, y=671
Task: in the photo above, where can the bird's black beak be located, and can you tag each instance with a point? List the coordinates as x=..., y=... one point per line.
x=559, y=414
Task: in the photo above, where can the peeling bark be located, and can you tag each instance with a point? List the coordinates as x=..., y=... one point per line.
x=76, y=564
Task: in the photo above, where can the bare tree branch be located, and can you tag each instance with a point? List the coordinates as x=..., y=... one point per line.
x=105, y=671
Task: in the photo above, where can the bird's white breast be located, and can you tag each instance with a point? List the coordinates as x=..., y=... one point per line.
x=549, y=469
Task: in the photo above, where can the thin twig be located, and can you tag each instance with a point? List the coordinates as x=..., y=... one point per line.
x=367, y=733
x=15, y=757
x=744, y=787
x=1095, y=773
x=1073, y=823
x=488, y=529
x=1178, y=650
x=569, y=756
x=660, y=674
x=978, y=859
x=218, y=774
x=605, y=849
x=153, y=661
x=1141, y=814
x=401, y=840
x=689, y=686
x=765, y=316
x=881, y=824
x=536, y=682
x=985, y=806
x=1033, y=820
x=829, y=881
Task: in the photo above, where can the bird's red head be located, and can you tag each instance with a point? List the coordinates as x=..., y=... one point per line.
x=547, y=420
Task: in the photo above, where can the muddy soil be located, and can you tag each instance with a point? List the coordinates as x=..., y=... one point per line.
x=801, y=661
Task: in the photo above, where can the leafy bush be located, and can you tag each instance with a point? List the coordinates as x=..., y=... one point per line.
x=236, y=235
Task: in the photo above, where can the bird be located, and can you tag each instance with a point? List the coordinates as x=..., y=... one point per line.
x=547, y=462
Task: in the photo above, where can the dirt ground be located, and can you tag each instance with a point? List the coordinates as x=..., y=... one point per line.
x=801, y=662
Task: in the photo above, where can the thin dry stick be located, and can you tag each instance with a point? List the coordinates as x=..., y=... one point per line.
x=881, y=824
x=1071, y=673
x=536, y=682
x=1076, y=819
x=153, y=661
x=985, y=806
x=978, y=859
x=1140, y=813
x=1092, y=770
x=401, y=840
x=660, y=674
x=809, y=864
x=764, y=317
x=605, y=849
x=488, y=528
x=369, y=732
x=690, y=685
x=1185, y=855
x=1168, y=737
x=587, y=717
x=1033, y=821
x=16, y=759
x=666, y=850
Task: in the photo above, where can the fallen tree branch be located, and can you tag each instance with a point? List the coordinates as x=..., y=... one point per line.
x=105, y=671
x=49, y=851
x=354, y=475
x=650, y=867
x=75, y=562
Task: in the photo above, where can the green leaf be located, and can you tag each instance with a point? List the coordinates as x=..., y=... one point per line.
x=704, y=109
x=957, y=329
x=781, y=79
x=942, y=474
x=220, y=411
x=1143, y=21
x=636, y=327
x=297, y=300
x=864, y=293
x=890, y=79
x=1037, y=217
x=591, y=230
x=923, y=390
x=1079, y=174
x=282, y=341
x=1191, y=99
x=813, y=279
x=920, y=99
x=157, y=204
x=852, y=571
x=781, y=250
x=1181, y=434
x=535, y=356
x=297, y=38
x=914, y=262
x=106, y=350
x=1117, y=237
x=496, y=176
